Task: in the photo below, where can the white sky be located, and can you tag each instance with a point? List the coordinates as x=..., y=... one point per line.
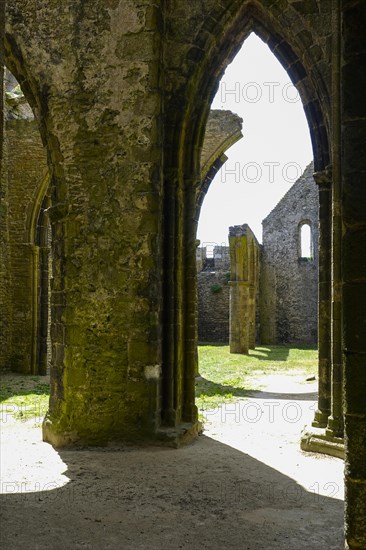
x=248, y=187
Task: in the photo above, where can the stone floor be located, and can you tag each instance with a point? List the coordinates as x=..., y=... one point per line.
x=244, y=484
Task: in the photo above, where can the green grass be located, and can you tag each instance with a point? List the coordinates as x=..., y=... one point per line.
x=24, y=398
x=226, y=377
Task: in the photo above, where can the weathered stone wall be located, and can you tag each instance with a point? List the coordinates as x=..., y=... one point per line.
x=213, y=306
x=223, y=129
x=5, y=273
x=216, y=258
x=213, y=268
x=200, y=258
x=221, y=256
x=27, y=169
x=288, y=287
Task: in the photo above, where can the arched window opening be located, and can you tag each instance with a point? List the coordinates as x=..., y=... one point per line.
x=28, y=234
x=306, y=244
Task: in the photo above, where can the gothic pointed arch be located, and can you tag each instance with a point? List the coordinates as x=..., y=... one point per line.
x=298, y=52
x=215, y=44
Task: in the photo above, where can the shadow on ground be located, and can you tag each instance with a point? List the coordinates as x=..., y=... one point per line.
x=265, y=353
x=206, y=496
x=207, y=388
x=271, y=353
x=309, y=396
x=210, y=388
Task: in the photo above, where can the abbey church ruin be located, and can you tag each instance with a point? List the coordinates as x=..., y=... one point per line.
x=104, y=109
x=284, y=282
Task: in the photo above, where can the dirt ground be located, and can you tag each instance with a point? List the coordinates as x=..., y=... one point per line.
x=243, y=485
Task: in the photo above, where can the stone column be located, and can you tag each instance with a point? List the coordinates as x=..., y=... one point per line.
x=105, y=154
x=43, y=313
x=242, y=289
x=353, y=110
x=335, y=420
x=323, y=179
x=239, y=290
x=252, y=295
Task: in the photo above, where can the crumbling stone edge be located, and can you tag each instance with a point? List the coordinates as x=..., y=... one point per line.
x=315, y=440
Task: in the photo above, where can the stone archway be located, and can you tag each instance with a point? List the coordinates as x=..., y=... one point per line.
x=124, y=238
x=25, y=184
x=187, y=129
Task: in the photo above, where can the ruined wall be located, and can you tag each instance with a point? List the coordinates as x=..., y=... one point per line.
x=213, y=306
x=286, y=299
x=26, y=169
x=213, y=268
x=289, y=283
x=213, y=258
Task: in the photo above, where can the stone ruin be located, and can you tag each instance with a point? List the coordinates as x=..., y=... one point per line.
x=273, y=291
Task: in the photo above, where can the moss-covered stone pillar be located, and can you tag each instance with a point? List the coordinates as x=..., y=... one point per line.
x=243, y=290
x=323, y=180
x=99, y=99
x=353, y=71
x=239, y=290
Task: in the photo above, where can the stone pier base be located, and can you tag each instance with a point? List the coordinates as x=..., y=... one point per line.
x=317, y=441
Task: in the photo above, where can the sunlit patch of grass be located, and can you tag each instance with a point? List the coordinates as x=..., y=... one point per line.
x=226, y=377
x=24, y=398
